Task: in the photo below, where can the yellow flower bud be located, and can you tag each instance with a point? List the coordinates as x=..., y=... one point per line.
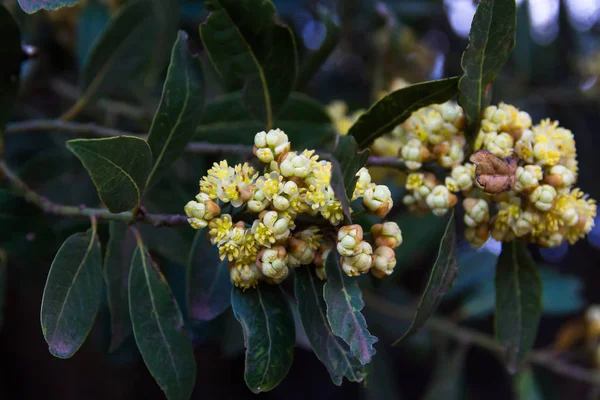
x=560, y=177
x=451, y=184
x=297, y=165
x=477, y=236
x=387, y=234
x=362, y=184
x=414, y=153
x=500, y=145
x=528, y=177
x=349, y=237
x=246, y=276
x=359, y=263
x=272, y=262
x=440, y=200
x=378, y=200
x=278, y=141
x=301, y=250
x=384, y=261
x=477, y=211
x=543, y=197
x=280, y=203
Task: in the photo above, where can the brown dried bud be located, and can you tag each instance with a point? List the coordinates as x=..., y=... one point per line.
x=493, y=174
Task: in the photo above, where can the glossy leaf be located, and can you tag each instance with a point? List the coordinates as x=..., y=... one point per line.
x=72, y=294
x=94, y=18
x=347, y=161
x=269, y=334
x=118, y=167
x=441, y=277
x=518, y=300
x=179, y=111
x=11, y=55
x=131, y=52
x=226, y=120
x=247, y=46
x=332, y=351
x=344, y=304
x=117, y=261
x=31, y=6
x=492, y=38
x=397, y=106
x=159, y=329
x=208, y=283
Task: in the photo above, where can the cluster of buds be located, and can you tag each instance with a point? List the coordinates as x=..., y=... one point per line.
x=357, y=254
x=293, y=184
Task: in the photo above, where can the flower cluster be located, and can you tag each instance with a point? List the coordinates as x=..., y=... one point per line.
x=541, y=205
x=285, y=215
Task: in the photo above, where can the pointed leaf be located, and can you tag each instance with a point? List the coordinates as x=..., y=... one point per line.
x=397, y=106
x=117, y=261
x=72, y=294
x=208, y=283
x=179, y=111
x=226, y=120
x=118, y=166
x=31, y=6
x=441, y=277
x=333, y=352
x=518, y=300
x=344, y=303
x=528, y=387
x=11, y=56
x=269, y=334
x=132, y=51
x=247, y=45
x=492, y=38
x=159, y=329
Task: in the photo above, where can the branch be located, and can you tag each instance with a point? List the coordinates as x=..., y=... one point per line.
x=543, y=359
x=47, y=206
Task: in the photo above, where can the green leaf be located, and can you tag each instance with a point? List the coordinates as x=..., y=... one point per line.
x=518, y=300
x=441, y=277
x=94, y=18
x=159, y=329
x=226, y=120
x=130, y=54
x=117, y=261
x=10, y=67
x=313, y=62
x=347, y=161
x=118, y=167
x=247, y=45
x=332, y=351
x=397, y=106
x=527, y=386
x=492, y=38
x=344, y=303
x=179, y=111
x=269, y=334
x=31, y=6
x=448, y=380
x=72, y=294
x=208, y=283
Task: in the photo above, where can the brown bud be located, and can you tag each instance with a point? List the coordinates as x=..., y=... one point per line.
x=441, y=148
x=212, y=209
x=554, y=180
x=493, y=174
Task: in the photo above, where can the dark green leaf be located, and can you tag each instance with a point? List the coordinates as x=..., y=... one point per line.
x=344, y=303
x=130, y=54
x=94, y=18
x=518, y=300
x=527, y=386
x=226, y=120
x=118, y=166
x=313, y=62
x=492, y=38
x=72, y=294
x=247, y=45
x=447, y=381
x=397, y=106
x=159, y=329
x=31, y=6
x=333, y=352
x=441, y=277
x=179, y=111
x=208, y=284
x=347, y=161
x=269, y=334
x=11, y=55
x=117, y=261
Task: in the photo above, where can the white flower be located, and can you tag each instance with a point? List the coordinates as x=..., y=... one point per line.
x=384, y=262
x=273, y=262
x=528, y=177
x=464, y=176
x=440, y=200
x=378, y=200
x=477, y=211
x=414, y=153
x=359, y=263
x=387, y=234
x=543, y=197
x=349, y=237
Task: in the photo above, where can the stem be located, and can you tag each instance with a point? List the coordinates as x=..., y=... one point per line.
x=75, y=109
x=47, y=206
x=468, y=336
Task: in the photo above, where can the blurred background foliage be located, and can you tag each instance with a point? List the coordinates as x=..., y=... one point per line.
x=553, y=72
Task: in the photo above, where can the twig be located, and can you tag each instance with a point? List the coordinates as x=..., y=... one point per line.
x=543, y=359
x=47, y=206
